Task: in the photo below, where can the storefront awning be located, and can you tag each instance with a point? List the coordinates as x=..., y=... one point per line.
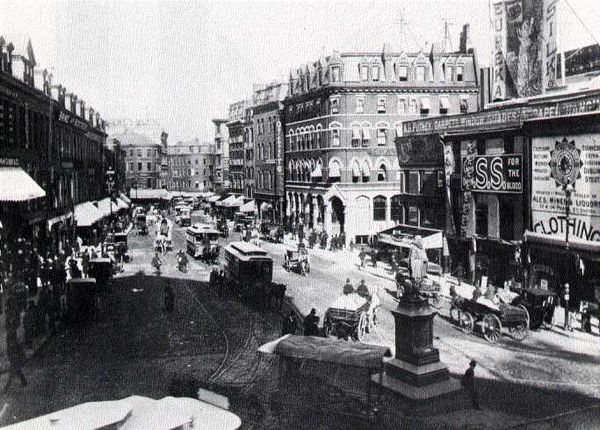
x=86, y=214
x=588, y=249
x=148, y=194
x=213, y=199
x=125, y=198
x=17, y=186
x=106, y=206
x=236, y=201
x=226, y=201
x=248, y=207
x=425, y=103
x=444, y=103
x=402, y=234
x=57, y=219
x=121, y=204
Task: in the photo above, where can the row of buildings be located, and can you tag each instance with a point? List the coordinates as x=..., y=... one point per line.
x=53, y=152
x=322, y=148
x=365, y=142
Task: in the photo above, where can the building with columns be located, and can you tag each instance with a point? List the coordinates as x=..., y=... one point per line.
x=344, y=170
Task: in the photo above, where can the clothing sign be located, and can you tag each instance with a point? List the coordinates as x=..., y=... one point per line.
x=548, y=199
x=496, y=173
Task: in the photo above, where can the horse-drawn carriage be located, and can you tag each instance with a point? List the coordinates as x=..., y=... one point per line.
x=351, y=316
x=297, y=261
x=141, y=224
x=491, y=318
x=271, y=233
x=203, y=242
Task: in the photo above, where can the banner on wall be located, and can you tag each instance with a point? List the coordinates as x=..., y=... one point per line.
x=524, y=47
x=559, y=161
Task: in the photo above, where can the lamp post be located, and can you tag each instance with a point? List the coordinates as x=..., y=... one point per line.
x=110, y=183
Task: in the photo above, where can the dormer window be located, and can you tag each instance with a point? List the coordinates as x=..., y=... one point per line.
x=375, y=72
x=459, y=73
x=420, y=73
x=335, y=74
x=403, y=73
x=364, y=73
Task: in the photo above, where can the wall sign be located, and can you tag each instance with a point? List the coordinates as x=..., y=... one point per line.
x=495, y=173
x=548, y=200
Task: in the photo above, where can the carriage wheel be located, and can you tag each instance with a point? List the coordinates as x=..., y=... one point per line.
x=527, y=312
x=454, y=314
x=363, y=322
x=491, y=327
x=465, y=321
x=520, y=332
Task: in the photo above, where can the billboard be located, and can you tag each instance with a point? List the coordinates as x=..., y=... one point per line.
x=524, y=47
x=495, y=173
x=560, y=161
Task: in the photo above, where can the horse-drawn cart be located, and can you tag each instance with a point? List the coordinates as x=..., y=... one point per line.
x=351, y=316
x=490, y=317
x=297, y=261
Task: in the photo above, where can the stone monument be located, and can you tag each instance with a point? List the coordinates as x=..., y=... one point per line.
x=416, y=371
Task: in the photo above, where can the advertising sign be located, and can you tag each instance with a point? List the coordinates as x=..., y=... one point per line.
x=495, y=173
x=560, y=161
x=499, y=67
x=419, y=150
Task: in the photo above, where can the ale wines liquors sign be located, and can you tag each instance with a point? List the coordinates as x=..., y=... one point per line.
x=495, y=173
x=563, y=161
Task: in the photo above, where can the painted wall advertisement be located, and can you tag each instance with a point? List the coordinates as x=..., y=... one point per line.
x=556, y=162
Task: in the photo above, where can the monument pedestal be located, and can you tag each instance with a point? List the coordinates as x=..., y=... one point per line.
x=416, y=371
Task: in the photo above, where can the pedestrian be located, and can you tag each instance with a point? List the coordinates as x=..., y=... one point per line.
x=348, y=287
x=169, y=298
x=566, y=297
x=362, y=289
x=221, y=282
x=362, y=256
x=289, y=324
x=156, y=262
x=468, y=381
x=311, y=323
x=16, y=358
x=212, y=277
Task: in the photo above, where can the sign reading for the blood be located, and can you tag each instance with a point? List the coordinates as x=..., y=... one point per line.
x=496, y=173
x=557, y=162
x=565, y=162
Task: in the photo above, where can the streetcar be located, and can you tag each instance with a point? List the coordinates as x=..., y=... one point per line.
x=248, y=271
x=203, y=241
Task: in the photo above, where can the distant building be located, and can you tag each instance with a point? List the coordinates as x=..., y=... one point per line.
x=267, y=126
x=344, y=171
x=221, y=141
x=191, y=166
x=235, y=125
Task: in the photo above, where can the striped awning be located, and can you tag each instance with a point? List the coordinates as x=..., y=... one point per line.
x=86, y=214
x=17, y=186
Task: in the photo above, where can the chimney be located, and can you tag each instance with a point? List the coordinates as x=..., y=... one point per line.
x=73, y=103
x=62, y=95
x=465, y=44
x=91, y=117
x=2, y=56
x=82, y=109
x=9, y=49
x=97, y=120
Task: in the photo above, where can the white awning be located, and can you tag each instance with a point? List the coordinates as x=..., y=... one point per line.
x=334, y=170
x=87, y=214
x=225, y=201
x=355, y=169
x=366, y=171
x=213, y=199
x=121, y=204
x=17, y=186
x=57, y=219
x=366, y=132
x=317, y=173
x=356, y=133
x=425, y=103
x=248, y=207
x=444, y=103
x=106, y=206
x=125, y=198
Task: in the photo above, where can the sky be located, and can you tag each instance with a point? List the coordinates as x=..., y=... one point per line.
x=183, y=63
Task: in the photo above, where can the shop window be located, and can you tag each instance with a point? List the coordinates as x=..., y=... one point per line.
x=507, y=213
x=429, y=217
x=379, y=208
x=413, y=215
x=481, y=219
x=361, y=239
x=429, y=180
x=397, y=212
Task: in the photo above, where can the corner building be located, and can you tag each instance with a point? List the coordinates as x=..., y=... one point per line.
x=342, y=117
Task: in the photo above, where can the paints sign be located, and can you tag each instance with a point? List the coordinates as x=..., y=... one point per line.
x=558, y=161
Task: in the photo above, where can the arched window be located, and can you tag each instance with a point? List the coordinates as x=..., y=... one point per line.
x=379, y=208
x=382, y=173
x=355, y=172
x=335, y=134
x=397, y=209
x=366, y=171
x=334, y=171
x=319, y=136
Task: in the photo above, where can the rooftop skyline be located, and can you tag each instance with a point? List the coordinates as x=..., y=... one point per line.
x=184, y=63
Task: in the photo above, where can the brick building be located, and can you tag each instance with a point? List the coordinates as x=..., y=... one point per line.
x=191, y=166
x=236, y=125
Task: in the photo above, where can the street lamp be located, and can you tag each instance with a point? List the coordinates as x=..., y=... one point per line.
x=568, y=189
x=110, y=184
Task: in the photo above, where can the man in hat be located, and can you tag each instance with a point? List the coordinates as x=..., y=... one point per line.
x=468, y=381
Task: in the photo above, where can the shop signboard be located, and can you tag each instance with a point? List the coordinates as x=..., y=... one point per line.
x=496, y=173
x=558, y=162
